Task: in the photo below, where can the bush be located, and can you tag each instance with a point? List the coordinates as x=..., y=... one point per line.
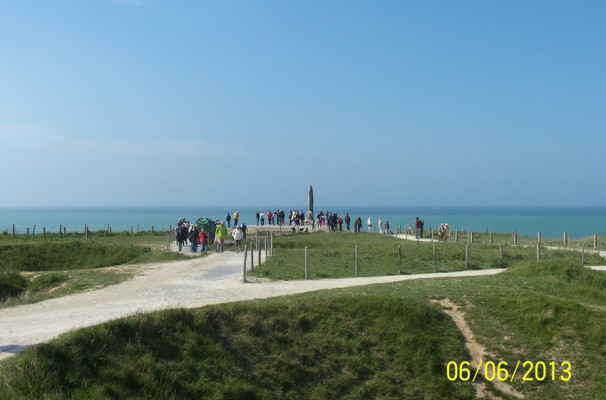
x=12, y=284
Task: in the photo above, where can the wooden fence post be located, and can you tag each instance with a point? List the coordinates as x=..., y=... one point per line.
x=456, y=236
x=27, y=230
x=435, y=262
x=131, y=230
x=356, y=263
x=34, y=232
x=44, y=232
x=569, y=241
x=244, y=268
x=595, y=241
x=252, y=257
x=400, y=259
x=306, y=264
x=271, y=242
x=501, y=255
x=152, y=229
x=13, y=230
x=565, y=237
x=583, y=256
x=539, y=237
x=539, y=251
x=259, y=254
x=64, y=231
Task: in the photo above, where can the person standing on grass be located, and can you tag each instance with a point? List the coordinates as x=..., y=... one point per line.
x=258, y=218
x=380, y=225
x=347, y=220
x=220, y=236
x=369, y=223
x=228, y=219
x=262, y=216
x=236, y=218
x=417, y=227
x=358, y=225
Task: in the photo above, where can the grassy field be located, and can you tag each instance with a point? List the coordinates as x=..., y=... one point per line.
x=36, y=268
x=385, y=341
x=381, y=341
x=332, y=255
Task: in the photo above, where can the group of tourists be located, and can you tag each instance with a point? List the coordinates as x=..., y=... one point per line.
x=185, y=232
x=443, y=230
x=278, y=217
x=385, y=230
x=197, y=236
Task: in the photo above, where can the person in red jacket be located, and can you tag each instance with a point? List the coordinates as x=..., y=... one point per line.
x=202, y=239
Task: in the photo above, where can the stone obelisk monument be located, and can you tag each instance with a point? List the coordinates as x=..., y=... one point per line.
x=310, y=200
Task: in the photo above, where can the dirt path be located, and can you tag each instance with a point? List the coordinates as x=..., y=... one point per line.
x=191, y=283
x=477, y=353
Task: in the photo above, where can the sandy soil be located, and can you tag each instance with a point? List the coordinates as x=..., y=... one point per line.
x=191, y=283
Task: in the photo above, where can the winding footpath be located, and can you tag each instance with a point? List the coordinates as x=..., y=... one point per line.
x=214, y=279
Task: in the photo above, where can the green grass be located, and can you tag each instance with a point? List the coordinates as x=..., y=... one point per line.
x=332, y=255
x=291, y=348
x=69, y=255
x=12, y=284
x=59, y=266
x=381, y=341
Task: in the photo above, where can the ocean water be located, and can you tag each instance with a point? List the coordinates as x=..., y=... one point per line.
x=551, y=222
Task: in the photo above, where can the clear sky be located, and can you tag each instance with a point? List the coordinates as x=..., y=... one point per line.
x=248, y=102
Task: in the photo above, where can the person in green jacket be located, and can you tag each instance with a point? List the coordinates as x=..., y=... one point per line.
x=220, y=236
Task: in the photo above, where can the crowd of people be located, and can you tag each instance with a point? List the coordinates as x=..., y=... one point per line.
x=196, y=235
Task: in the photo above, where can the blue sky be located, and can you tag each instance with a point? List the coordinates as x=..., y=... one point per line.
x=391, y=103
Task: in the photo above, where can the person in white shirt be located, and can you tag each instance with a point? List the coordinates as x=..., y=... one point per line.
x=237, y=234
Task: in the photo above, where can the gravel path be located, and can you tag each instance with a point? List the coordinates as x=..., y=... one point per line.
x=191, y=283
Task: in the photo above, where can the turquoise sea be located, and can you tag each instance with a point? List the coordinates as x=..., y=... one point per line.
x=551, y=222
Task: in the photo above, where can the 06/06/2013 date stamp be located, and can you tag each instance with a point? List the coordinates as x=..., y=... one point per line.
x=530, y=371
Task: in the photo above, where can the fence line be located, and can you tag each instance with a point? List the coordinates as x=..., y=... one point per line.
x=85, y=230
